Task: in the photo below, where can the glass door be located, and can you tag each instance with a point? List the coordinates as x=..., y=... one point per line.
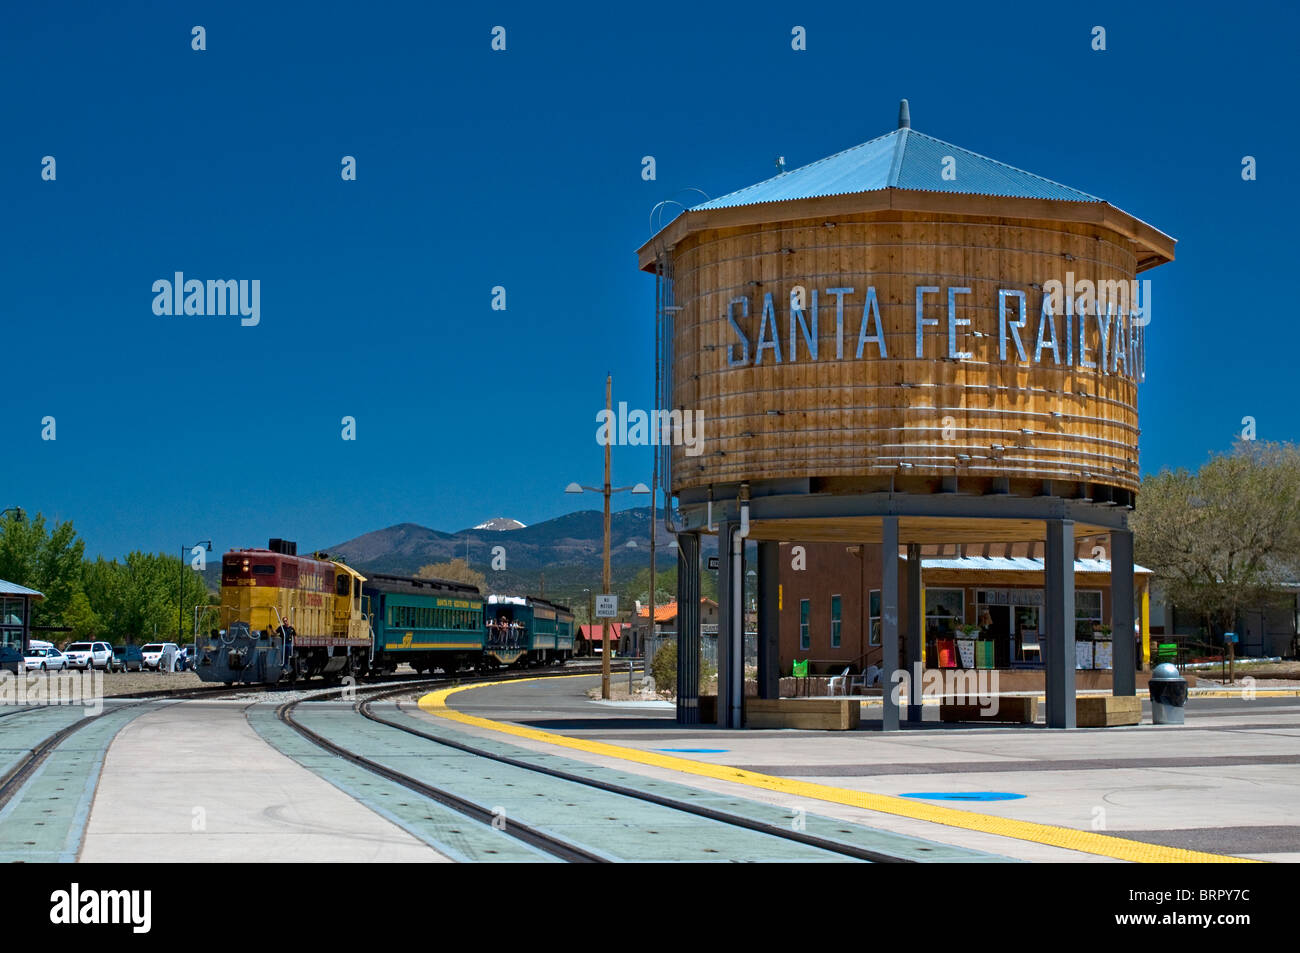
x=1028, y=635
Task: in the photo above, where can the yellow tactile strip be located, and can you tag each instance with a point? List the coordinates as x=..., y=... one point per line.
x=1088, y=842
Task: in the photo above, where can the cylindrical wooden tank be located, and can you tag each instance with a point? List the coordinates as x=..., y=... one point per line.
x=853, y=415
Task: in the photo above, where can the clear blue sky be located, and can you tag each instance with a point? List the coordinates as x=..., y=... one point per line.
x=523, y=169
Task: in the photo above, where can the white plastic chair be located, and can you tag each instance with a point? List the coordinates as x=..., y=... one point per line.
x=838, y=683
x=868, y=678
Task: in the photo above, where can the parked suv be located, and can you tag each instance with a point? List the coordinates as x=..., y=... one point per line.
x=86, y=655
x=128, y=658
x=160, y=656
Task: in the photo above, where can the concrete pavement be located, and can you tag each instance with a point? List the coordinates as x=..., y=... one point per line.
x=1228, y=782
x=194, y=782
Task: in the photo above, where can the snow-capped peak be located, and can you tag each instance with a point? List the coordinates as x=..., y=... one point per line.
x=500, y=523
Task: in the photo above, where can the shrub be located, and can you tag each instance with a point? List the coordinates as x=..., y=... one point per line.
x=664, y=668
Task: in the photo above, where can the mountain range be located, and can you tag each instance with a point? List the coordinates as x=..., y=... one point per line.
x=559, y=558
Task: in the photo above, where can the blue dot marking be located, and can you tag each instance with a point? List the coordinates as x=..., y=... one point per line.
x=696, y=750
x=966, y=796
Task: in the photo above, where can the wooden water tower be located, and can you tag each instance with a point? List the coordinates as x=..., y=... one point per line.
x=903, y=343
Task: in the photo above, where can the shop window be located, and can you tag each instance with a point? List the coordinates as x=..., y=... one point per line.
x=1087, y=612
x=11, y=611
x=805, y=639
x=945, y=610
x=835, y=622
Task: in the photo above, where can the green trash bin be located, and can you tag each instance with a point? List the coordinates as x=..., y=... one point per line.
x=984, y=653
x=800, y=669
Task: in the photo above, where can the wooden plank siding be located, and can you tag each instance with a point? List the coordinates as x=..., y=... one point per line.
x=856, y=418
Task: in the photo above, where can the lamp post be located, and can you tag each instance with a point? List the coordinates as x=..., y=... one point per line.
x=18, y=512
x=180, y=596
x=606, y=491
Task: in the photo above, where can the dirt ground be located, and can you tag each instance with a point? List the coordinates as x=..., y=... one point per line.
x=129, y=683
x=1266, y=674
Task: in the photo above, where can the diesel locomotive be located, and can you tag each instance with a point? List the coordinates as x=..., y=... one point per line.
x=285, y=617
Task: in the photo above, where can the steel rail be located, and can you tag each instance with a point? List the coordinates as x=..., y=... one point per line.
x=556, y=847
x=812, y=840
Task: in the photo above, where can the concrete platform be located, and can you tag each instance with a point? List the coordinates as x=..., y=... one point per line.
x=194, y=782
x=1227, y=783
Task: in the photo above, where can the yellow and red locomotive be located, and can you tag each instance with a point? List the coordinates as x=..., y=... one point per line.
x=285, y=616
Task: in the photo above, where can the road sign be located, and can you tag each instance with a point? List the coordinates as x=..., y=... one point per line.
x=713, y=563
x=607, y=607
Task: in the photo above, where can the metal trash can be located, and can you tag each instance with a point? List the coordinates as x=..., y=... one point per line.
x=1168, y=695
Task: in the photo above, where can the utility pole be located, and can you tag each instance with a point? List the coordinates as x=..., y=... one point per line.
x=604, y=576
x=606, y=491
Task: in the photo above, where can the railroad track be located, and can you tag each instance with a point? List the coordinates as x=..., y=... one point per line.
x=17, y=776
x=13, y=780
x=556, y=847
x=581, y=668
x=561, y=849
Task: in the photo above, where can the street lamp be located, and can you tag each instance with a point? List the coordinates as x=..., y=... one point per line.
x=180, y=597
x=18, y=512
x=606, y=491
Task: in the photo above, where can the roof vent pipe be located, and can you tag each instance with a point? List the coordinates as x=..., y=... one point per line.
x=904, y=116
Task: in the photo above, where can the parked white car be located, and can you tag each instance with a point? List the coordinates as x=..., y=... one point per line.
x=41, y=656
x=85, y=655
x=160, y=656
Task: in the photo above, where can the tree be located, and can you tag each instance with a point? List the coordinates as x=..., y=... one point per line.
x=665, y=585
x=84, y=620
x=457, y=570
x=666, y=582
x=37, y=558
x=1225, y=538
x=133, y=599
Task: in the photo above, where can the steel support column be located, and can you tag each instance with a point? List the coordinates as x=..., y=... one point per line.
x=1058, y=607
x=769, y=620
x=726, y=622
x=915, y=633
x=889, y=620
x=688, y=629
x=1121, y=614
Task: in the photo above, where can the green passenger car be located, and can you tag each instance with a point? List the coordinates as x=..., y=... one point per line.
x=527, y=631
x=426, y=623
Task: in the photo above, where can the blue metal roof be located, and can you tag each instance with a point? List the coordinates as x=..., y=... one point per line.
x=902, y=159
x=13, y=589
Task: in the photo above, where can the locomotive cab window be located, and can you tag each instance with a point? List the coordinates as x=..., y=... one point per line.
x=341, y=585
x=263, y=569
